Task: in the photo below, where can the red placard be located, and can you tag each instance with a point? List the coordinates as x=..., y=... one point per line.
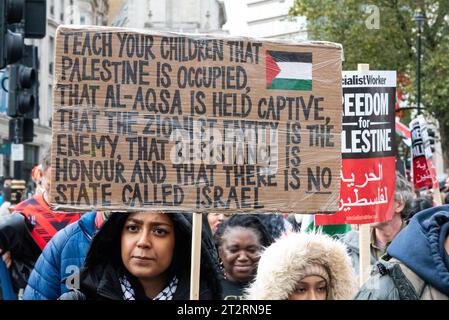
x=366, y=192
x=369, y=165
x=422, y=177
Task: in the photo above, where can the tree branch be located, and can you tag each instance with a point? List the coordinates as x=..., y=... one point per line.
x=403, y=27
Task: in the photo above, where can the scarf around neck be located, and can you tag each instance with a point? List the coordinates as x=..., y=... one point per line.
x=166, y=294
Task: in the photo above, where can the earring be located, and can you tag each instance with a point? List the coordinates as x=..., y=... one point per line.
x=222, y=269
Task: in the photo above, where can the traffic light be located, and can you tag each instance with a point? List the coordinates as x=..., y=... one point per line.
x=11, y=43
x=20, y=19
x=23, y=100
x=35, y=19
x=24, y=86
x=31, y=60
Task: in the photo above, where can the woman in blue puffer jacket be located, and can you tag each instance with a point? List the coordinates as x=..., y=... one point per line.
x=56, y=270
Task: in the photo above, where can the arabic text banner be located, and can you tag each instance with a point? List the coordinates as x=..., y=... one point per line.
x=424, y=175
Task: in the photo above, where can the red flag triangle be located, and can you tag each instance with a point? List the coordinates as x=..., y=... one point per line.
x=271, y=68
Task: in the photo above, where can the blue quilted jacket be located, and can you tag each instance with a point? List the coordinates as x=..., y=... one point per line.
x=55, y=272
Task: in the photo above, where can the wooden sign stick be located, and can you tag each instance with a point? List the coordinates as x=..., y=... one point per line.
x=196, y=256
x=364, y=232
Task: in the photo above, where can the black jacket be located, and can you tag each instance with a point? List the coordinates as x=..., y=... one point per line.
x=99, y=278
x=15, y=237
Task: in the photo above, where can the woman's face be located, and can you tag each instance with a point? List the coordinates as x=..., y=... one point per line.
x=240, y=252
x=310, y=288
x=148, y=242
x=215, y=219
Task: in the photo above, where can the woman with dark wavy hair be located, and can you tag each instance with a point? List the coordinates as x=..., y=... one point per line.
x=143, y=256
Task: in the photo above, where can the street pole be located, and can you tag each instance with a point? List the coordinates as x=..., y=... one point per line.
x=419, y=19
x=418, y=71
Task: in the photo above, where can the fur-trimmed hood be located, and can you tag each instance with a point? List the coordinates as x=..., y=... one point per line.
x=281, y=263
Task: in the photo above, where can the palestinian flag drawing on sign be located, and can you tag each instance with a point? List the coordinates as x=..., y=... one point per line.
x=289, y=70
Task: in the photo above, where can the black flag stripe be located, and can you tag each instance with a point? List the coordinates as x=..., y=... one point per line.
x=282, y=56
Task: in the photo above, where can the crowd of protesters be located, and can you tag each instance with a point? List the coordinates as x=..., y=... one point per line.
x=52, y=255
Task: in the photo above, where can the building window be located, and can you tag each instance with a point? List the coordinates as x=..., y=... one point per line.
x=62, y=9
x=50, y=97
x=31, y=154
x=51, y=52
x=82, y=20
x=52, y=8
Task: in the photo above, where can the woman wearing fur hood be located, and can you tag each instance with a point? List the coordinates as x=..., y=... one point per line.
x=303, y=266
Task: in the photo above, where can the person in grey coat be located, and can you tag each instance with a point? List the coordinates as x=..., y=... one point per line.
x=416, y=266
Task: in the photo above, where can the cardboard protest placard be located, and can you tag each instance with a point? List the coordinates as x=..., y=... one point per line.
x=424, y=172
x=368, y=151
x=421, y=173
x=194, y=123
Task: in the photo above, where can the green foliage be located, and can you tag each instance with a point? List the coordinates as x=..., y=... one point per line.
x=344, y=22
x=393, y=45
